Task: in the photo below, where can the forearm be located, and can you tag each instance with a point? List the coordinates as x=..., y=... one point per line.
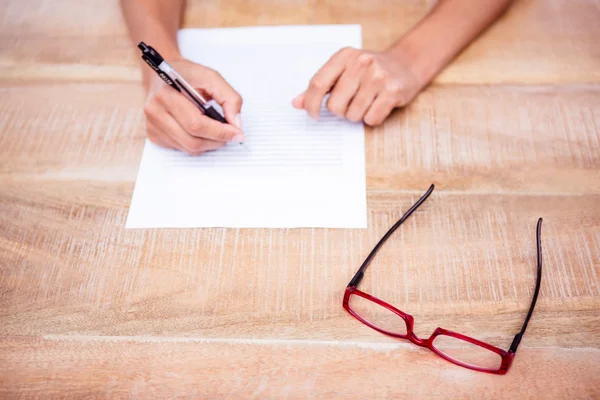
x=155, y=22
x=447, y=29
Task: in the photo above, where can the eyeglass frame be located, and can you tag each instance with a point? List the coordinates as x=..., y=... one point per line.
x=507, y=356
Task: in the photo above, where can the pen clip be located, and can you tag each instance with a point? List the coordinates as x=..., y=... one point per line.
x=173, y=79
x=154, y=59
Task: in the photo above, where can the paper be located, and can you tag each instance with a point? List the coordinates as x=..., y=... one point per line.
x=291, y=171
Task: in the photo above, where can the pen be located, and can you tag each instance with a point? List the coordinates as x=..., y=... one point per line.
x=173, y=79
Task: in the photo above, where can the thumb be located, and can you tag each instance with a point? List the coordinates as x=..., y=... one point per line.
x=232, y=110
x=228, y=98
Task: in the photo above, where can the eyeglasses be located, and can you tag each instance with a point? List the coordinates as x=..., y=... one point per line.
x=452, y=346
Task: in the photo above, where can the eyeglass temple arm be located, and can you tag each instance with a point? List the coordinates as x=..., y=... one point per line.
x=360, y=273
x=518, y=336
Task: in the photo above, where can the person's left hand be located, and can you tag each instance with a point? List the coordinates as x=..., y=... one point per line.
x=363, y=85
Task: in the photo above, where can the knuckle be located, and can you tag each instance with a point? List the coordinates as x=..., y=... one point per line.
x=237, y=100
x=369, y=121
x=162, y=94
x=336, y=110
x=153, y=115
x=152, y=135
x=346, y=50
x=215, y=75
x=352, y=116
x=402, y=100
x=394, y=88
x=379, y=76
x=213, y=147
x=223, y=135
x=373, y=120
x=366, y=59
x=195, y=126
x=211, y=73
x=149, y=109
x=195, y=147
x=316, y=84
x=335, y=107
x=154, y=140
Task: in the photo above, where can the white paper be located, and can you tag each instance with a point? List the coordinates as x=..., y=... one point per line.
x=292, y=171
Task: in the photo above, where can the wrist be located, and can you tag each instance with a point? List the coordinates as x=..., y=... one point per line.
x=441, y=35
x=432, y=43
x=414, y=58
x=171, y=54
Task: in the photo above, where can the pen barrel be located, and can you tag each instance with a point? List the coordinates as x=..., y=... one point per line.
x=214, y=114
x=187, y=90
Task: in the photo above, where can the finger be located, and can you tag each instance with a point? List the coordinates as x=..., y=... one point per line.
x=165, y=123
x=346, y=87
x=156, y=132
x=360, y=104
x=381, y=107
x=298, y=102
x=161, y=139
x=193, y=121
x=188, y=143
x=372, y=84
x=324, y=80
x=204, y=94
x=227, y=97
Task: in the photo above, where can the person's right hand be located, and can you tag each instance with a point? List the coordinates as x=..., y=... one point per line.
x=173, y=121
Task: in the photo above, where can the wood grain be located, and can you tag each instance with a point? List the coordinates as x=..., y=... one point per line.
x=155, y=368
x=537, y=41
x=508, y=133
x=463, y=138
x=463, y=262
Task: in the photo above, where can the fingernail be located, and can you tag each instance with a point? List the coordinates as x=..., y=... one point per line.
x=239, y=138
x=238, y=121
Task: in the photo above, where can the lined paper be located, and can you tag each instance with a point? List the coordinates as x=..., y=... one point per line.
x=291, y=171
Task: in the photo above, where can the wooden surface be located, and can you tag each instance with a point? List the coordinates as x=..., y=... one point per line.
x=508, y=133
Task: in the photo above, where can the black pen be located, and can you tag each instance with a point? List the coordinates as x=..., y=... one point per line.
x=173, y=79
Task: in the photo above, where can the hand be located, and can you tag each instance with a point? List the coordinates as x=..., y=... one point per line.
x=363, y=85
x=173, y=121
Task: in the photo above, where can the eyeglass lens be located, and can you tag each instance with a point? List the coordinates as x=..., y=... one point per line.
x=452, y=347
x=377, y=315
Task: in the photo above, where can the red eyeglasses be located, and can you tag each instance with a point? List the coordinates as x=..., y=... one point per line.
x=452, y=346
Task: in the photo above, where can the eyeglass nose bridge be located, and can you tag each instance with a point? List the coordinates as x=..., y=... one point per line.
x=410, y=321
x=417, y=340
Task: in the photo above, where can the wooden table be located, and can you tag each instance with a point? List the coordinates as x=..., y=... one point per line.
x=508, y=133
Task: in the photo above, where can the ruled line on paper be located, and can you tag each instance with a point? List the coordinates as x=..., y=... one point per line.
x=291, y=171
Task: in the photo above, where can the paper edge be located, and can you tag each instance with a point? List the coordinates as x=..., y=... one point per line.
x=364, y=220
